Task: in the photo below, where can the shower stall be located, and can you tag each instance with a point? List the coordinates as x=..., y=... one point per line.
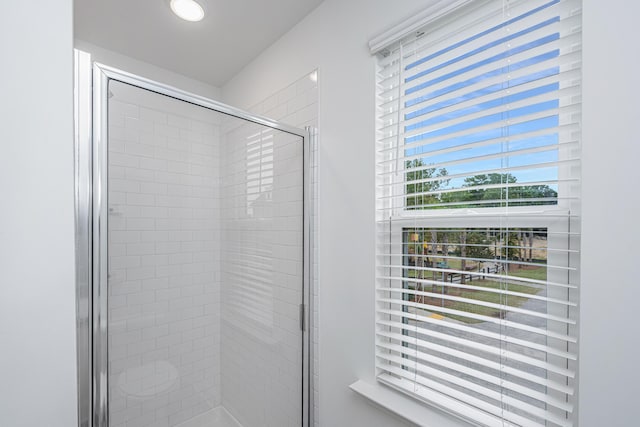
x=192, y=259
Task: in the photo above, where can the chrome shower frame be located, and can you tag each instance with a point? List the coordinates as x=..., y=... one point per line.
x=91, y=94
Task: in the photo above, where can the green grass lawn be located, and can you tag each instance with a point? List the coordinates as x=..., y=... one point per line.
x=478, y=294
x=537, y=273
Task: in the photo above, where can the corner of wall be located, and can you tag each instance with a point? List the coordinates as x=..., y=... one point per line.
x=145, y=69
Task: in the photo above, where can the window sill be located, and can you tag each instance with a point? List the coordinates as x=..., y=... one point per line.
x=405, y=408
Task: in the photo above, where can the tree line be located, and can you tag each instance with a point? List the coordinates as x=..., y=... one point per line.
x=430, y=189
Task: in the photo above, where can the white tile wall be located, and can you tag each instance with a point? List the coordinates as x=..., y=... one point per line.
x=297, y=105
x=205, y=258
x=261, y=275
x=164, y=252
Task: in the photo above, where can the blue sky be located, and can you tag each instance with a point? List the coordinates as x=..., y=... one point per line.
x=466, y=85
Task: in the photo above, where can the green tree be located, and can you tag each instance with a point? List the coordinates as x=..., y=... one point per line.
x=419, y=182
x=510, y=245
x=499, y=192
x=478, y=245
x=474, y=243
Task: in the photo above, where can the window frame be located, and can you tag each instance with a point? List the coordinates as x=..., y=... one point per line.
x=532, y=216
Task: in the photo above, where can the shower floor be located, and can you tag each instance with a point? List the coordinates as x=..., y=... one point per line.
x=218, y=417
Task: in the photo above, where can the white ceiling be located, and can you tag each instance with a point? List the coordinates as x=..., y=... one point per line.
x=213, y=50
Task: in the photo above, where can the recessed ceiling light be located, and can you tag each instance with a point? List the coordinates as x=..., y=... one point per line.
x=188, y=10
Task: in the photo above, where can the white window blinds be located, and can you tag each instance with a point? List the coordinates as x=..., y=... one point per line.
x=478, y=212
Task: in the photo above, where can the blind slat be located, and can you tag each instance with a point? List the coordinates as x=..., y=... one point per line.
x=495, y=408
x=475, y=288
x=449, y=353
x=490, y=16
x=472, y=332
x=524, y=88
x=472, y=386
x=544, y=165
x=480, y=317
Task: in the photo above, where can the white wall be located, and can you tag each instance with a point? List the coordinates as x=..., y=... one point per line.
x=333, y=39
x=37, y=289
x=610, y=347
x=144, y=69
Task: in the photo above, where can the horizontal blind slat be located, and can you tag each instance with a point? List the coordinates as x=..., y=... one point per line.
x=460, y=408
x=520, y=80
x=474, y=288
x=495, y=409
x=474, y=387
x=481, y=359
x=414, y=48
x=492, y=131
x=567, y=131
x=473, y=332
x=477, y=360
x=401, y=185
x=483, y=318
x=535, y=43
x=496, y=351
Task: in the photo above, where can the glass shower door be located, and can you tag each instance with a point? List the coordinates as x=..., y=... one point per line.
x=205, y=266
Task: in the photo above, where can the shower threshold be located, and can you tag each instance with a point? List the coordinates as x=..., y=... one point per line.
x=217, y=417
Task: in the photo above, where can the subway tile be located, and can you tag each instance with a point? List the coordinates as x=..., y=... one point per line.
x=138, y=273
x=151, y=115
x=155, y=164
x=169, y=131
x=123, y=262
x=123, y=108
x=122, y=159
x=146, y=224
x=286, y=94
x=153, y=260
x=128, y=287
x=178, y=122
x=124, y=236
x=123, y=134
x=152, y=139
x=140, y=199
x=137, y=174
x=139, y=125
x=178, y=167
x=155, y=284
x=153, y=188
x=153, y=211
x=202, y=127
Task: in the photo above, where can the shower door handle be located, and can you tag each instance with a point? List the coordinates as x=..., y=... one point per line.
x=303, y=325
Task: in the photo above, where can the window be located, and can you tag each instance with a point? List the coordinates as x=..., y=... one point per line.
x=478, y=211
